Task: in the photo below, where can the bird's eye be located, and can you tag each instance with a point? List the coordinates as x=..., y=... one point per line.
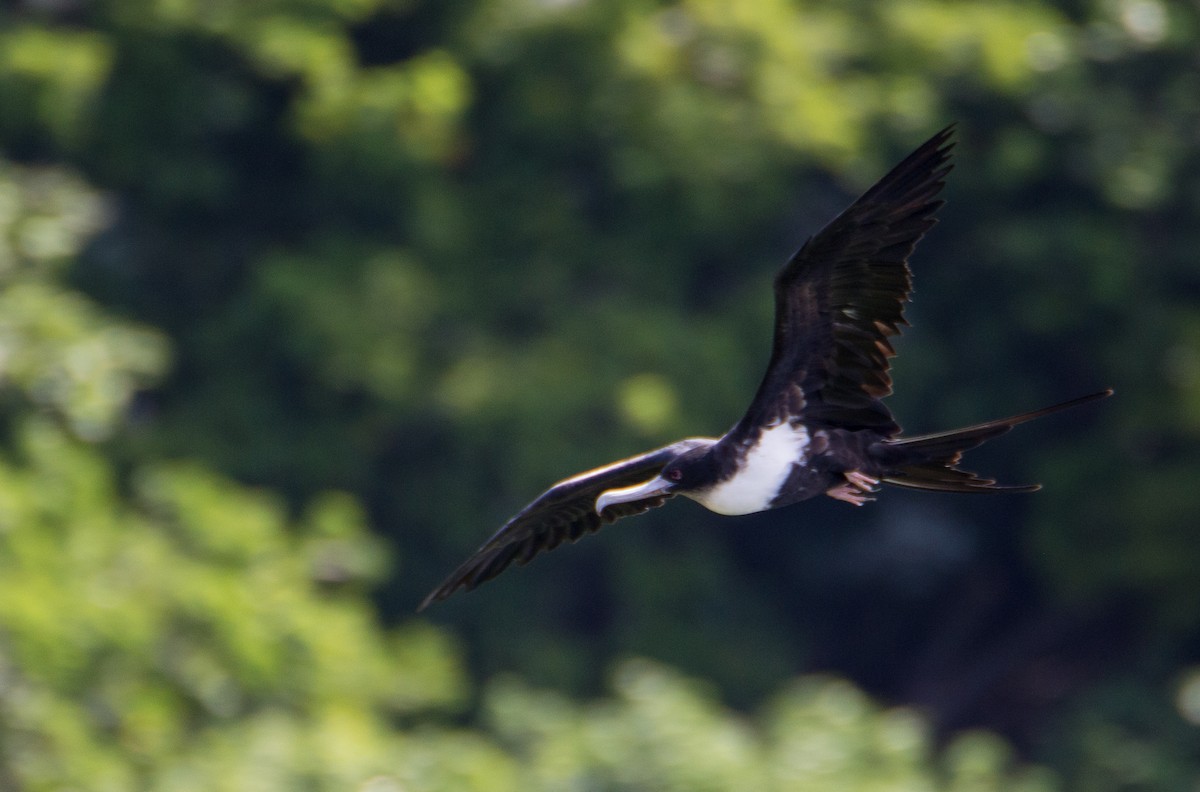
x=674, y=474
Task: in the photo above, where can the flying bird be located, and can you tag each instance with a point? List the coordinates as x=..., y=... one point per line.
x=817, y=424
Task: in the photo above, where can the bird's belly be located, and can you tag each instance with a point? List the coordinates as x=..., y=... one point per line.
x=762, y=473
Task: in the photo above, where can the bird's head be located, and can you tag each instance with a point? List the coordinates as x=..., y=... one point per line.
x=691, y=470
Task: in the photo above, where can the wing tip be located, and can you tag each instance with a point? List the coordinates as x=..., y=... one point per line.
x=447, y=588
x=920, y=176
x=943, y=140
x=434, y=596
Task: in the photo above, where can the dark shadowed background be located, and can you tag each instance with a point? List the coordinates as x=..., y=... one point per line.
x=299, y=300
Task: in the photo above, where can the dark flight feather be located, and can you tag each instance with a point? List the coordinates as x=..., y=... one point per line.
x=563, y=513
x=842, y=296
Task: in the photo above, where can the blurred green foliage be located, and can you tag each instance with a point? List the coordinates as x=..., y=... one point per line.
x=298, y=300
x=661, y=731
x=169, y=629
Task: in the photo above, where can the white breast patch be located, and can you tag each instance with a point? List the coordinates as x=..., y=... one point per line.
x=766, y=467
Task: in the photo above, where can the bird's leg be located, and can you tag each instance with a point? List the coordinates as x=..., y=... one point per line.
x=855, y=489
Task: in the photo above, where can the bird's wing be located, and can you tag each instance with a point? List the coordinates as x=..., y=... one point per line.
x=565, y=512
x=842, y=296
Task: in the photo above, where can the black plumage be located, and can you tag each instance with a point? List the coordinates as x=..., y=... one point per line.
x=841, y=297
x=565, y=512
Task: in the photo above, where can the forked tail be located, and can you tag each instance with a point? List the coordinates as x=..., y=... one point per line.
x=930, y=462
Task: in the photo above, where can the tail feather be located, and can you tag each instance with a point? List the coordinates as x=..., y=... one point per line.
x=930, y=461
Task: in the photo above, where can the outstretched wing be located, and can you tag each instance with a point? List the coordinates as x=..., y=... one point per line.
x=565, y=512
x=842, y=296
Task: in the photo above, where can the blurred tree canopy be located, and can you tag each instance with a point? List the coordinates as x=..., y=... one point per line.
x=299, y=300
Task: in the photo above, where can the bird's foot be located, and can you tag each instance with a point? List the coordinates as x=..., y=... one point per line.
x=848, y=493
x=862, y=481
x=855, y=489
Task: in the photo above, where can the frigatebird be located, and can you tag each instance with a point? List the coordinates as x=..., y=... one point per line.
x=817, y=424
